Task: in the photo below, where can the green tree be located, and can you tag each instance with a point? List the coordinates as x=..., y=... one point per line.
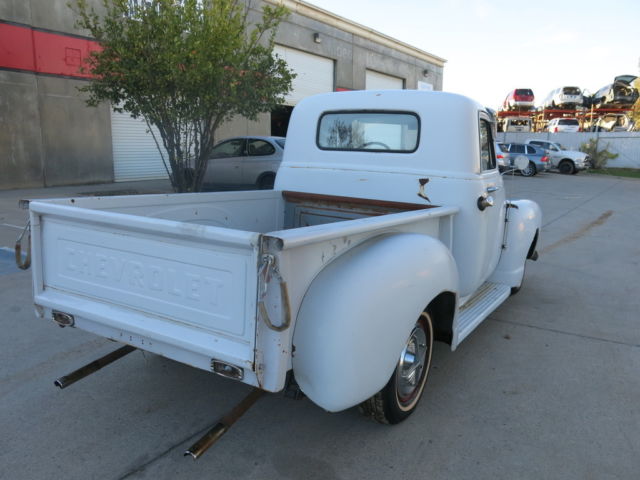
x=635, y=110
x=185, y=67
x=599, y=155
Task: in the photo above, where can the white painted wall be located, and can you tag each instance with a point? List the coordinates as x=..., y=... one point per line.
x=625, y=144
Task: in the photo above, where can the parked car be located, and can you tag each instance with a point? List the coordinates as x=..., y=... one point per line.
x=515, y=124
x=565, y=160
x=341, y=278
x=245, y=161
x=501, y=156
x=612, y=122
x=620, y=93
x=556, y=125
x=538, y=159
x=563, y=97
x=519, y=98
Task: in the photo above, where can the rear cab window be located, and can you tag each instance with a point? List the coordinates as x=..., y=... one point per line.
x=380, y=131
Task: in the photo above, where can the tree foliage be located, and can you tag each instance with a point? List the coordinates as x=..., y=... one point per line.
x=185, y=67
x=635, y=110
x=599, y=155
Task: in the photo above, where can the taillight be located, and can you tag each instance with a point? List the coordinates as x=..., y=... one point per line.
x=555, y=130
x=499, y=156
x=544, y=159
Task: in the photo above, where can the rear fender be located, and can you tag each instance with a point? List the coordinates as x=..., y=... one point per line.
x=357, y=314
x=522, y=229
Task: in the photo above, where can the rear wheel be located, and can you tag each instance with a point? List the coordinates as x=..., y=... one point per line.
x=566, y=167
x=530, y=171
x=400, y=396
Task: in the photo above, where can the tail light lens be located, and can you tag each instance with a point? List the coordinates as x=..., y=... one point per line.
x=499, y=156
x=544, y=159
x=555, y=130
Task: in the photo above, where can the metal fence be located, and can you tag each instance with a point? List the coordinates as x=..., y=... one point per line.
x=625, y=144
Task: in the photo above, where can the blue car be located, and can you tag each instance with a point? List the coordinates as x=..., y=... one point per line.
x=538, y=159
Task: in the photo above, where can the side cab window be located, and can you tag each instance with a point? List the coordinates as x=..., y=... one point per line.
x=257, y=147
x=487, y=153
x=230, y=148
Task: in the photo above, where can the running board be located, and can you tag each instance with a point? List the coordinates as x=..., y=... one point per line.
x=486, y=299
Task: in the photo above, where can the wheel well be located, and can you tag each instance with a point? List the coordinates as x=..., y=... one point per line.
x=566, y=160
x=442, y=310
x=266, y=175
x=532, y=248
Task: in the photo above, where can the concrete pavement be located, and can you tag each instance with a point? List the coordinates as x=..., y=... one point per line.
x=546, y=387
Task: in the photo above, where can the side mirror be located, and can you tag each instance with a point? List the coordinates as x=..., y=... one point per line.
x=521, y=162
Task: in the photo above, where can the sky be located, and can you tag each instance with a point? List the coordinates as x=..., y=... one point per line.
x=495, y=46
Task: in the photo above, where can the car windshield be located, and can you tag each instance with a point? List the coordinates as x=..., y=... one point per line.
x=524, y=91
x=571, y=91
x=568, y=121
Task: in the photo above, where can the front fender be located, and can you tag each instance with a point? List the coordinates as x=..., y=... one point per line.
x=523, y=227
x=359, y=311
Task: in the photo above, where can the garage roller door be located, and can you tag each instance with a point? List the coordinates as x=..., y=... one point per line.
x=315, y=73
x=135, y=155
x=380, y=81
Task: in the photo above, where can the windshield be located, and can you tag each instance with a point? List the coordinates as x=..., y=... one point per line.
x=377, y=131
x=571, y=91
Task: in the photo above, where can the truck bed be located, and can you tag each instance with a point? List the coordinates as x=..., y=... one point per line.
x=178, y=275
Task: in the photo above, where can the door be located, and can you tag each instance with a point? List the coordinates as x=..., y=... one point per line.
x=135, y=153
x=315, y=74
x=225, y=164
x=262, y=157
x=381, y=81
x=491, y=218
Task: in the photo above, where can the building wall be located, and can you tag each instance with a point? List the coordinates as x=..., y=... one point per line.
x=48, y=136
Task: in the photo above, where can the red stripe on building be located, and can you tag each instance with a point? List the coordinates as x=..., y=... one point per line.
x=23, y=48
x=16, y=48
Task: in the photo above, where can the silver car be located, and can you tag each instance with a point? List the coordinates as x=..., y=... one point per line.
x=250, y=162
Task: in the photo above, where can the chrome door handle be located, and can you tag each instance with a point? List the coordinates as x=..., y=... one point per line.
x=484, y=202
x=492, y=189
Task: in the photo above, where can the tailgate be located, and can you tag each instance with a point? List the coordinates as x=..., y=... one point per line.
x=181, y=290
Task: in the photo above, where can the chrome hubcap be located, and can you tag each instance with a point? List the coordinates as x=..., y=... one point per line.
x=412, y=363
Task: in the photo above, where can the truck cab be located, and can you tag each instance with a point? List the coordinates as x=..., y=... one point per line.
x=383, y=145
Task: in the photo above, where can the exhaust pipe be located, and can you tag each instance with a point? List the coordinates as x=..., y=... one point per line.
x=79, y=374
x=225, y=423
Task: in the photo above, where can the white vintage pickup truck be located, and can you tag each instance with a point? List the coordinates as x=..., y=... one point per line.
x=388, y=228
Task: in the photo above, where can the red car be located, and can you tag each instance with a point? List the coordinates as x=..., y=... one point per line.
x=518, y=99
